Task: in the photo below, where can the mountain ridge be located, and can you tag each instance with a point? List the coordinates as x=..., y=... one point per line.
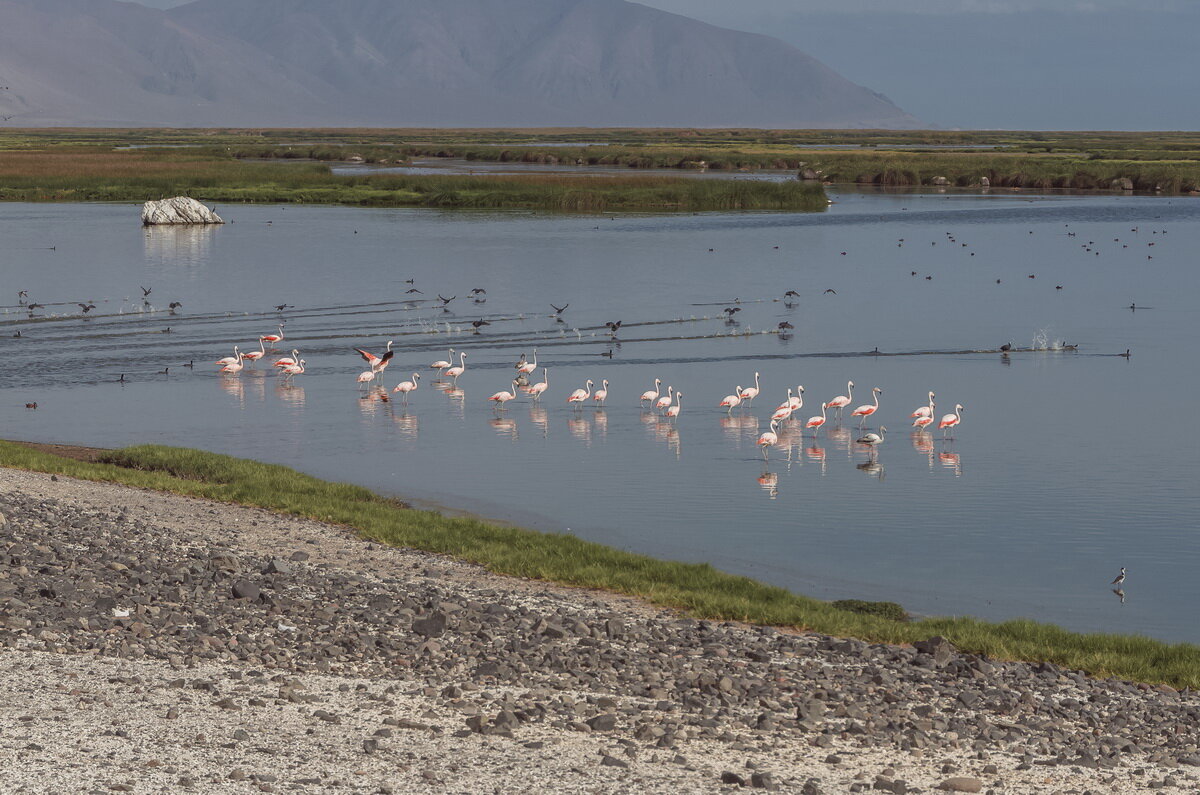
x=420, y=63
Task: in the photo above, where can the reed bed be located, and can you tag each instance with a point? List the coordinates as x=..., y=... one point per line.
x=698, y=589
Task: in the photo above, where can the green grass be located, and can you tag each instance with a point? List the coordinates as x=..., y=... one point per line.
x=698, y=589
x=96, y=174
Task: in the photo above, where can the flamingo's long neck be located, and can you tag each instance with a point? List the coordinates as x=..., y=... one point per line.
x=535, y=358
x=876, y=399
x=462, y=360
x=850, y=390
x=800, y=397
x=756, y=381
x=930, y=404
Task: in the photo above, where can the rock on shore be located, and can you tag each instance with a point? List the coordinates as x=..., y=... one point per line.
x=162, y=643
x=179, y=210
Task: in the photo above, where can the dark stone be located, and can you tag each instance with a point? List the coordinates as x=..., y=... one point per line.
x=432, y=625
x=244, y=589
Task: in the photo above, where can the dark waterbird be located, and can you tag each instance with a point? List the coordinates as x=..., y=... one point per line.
x=613, y=326
x=17, y=335
x=478, y=323
x=558, y=310
x=795, y=294
x=1125, y=354
x=478, y=291
x=278, y=307
x=34, y=306
x=785, y=326
x=730, y=311
x=830, y=290
x=412, y=290
x=86, y=307
x=179, y=305
x=1006, y=347
x=146, y=291
x=409, y=281
x=446, y=301
x=31, y=405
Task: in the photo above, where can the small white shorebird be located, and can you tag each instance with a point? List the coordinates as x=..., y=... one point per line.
x=1120, y=578
x=873, y=438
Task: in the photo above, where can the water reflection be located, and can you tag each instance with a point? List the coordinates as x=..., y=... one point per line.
x=1120, y=594
x=769, y=481
x=816, y=453
x=407, y=424
x=871, y=467
x=290, y=393
x=580, y=428
x=540, y=419
x=174, y=245
x=234, y=387
x=951, y=461
x=505, y=426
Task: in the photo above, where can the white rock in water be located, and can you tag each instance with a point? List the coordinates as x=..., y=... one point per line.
x=179, y=210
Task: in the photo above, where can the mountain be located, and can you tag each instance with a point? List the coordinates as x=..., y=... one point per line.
x=409, y=63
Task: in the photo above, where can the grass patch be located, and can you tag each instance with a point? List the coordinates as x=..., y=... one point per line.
x=889, y=610
x=698, y=589
x=91, y=174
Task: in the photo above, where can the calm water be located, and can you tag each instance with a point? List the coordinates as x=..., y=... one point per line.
x=1068, y=465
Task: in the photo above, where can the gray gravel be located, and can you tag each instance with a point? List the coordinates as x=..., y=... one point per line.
x=164, y=643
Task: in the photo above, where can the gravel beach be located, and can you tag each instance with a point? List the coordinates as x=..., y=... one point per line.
x=155, y=643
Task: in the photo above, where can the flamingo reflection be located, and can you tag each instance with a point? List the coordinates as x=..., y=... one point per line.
x=871, y=467
x=505, y=426
x=540, y=419
x=235, y=388
x=600, y=419
x=668, y=433
x=815, y=453
x=407, y=424
x=580, y=428
x=290, y=393
x=769, y=481
x=951, y=461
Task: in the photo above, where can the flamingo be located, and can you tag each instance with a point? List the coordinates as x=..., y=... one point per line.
x=873, y=438
x=406, y=387
x=528, y=367
x=254, y=356
x=292, y=370
x=443, y=364
x=867, y=411
x=750, y=392
x=951, y=420
x=651, y=394
x=787, y=403
x=537, y=389
x=841, y=401
x=602, y=393
x=768, y=438
x=455, y=372
x=922, y=423
x=673, y=411
x=732, y=401
x=230, y=359
x=924, y=411
x=665, y=401
x=236, y=367
x=784, y=411
x=581, y=395
x=288, y=360
x=798, y=399
x=273, y=338
x=503, y=397
x=816, y=422
x=377, y=363
x=367, y=376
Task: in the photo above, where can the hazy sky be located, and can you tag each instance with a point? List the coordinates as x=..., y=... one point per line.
x=1016, y=64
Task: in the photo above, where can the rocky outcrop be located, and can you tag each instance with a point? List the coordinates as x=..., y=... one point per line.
x=179, y=210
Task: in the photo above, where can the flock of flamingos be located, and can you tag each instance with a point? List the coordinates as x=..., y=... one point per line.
x=670, y=404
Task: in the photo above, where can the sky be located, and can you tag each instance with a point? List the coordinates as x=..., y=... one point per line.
x=992, y=64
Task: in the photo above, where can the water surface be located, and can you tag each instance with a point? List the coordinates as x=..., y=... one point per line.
x=1067, y=466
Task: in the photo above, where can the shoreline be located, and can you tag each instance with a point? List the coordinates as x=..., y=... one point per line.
x=356, y=666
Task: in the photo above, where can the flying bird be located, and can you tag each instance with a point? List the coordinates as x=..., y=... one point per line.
x=478, y=323
x=86, y=307
x=413, y=290
x=446, y=301
x=830, y=290
x=278, y=307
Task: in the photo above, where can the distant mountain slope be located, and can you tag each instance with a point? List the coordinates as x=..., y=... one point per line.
x=409, y=63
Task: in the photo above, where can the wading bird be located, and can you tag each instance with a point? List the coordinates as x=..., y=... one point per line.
x=288, y=361
x=528, y=367
x=273, y=338
x=85, y=308
x=867, y=411
x=480, y=323
x=768, y=438
x=841, y=401
x=455, y=372
x=230, y=359
x=541, y=386
x=816, y=422
x=731, y=401
x=406, y=387
x=651, y=394
x=235, y=367
x=442, y=364
x=663, y=402
x=951, y=420
x=501, y=398
x=292, y=370
x=377, y=363
x=872, y=438
x=581, y=395
x=1120, y=580
x=925, y=411
x=750, y=392
x=601, y=394
x=254, y=356
x=673, y=411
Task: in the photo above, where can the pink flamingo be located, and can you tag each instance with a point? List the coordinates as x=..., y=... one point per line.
x=287, y=361
x=293, y=370
x=254, y=356
x=924, y=411
x=922, y=422
x=455, y=372
x=537, y=389
x=768, y=438
x=816, y=422
x=841, y=401
x=442, y=364
x=581, y=395
x=367, y=376
x=236, y=367
x=406, y=387
x=230, y=359
x=273, y=338
x=784, y=411
x=750, y=392
x=528, y=367
x=673, y=411
x=732, y=401
x=665, y=401
x=503, y=397
x=951, y=420
x=651, y=394
x=377, y=363
x=867, y=411
x=602, y=393
x=798, y=399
